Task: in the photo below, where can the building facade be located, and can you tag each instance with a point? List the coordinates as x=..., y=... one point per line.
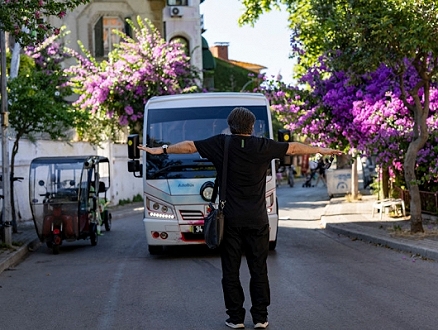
x=93, y=24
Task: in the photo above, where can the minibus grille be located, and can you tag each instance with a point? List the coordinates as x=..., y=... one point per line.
x=192, y=215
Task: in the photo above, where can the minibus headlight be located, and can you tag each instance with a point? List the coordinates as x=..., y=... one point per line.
x=159, y=210
x=207, y=191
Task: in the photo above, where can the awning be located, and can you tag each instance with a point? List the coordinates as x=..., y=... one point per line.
x=208, y=61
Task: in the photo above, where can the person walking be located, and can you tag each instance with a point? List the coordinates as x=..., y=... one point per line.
x=246, y=219
x=321, y=167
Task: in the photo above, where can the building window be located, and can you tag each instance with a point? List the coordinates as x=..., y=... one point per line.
x=104, y=36
x=177, y=2
x=184, y=42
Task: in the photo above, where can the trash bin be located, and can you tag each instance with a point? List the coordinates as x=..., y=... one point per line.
x=338, y=182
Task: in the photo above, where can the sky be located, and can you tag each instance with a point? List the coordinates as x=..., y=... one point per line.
x=266, y=44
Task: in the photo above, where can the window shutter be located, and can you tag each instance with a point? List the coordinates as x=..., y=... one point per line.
x=128, y=30
x=98, y=38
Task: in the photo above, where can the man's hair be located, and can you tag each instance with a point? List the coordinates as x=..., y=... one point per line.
x=241, y=121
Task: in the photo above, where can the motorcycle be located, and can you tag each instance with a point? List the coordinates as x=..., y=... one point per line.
x=68, y=198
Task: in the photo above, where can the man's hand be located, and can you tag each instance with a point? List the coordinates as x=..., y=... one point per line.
x=298, y=148
x=153, y=151
x=184, y=147
x=329, y=151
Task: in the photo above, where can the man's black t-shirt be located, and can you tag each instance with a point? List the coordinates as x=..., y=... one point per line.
x=248, y=160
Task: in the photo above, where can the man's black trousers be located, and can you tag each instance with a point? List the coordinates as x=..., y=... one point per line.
x=254, y=243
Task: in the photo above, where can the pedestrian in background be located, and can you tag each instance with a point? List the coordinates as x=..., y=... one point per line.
x=321, y=167
x=246, y=219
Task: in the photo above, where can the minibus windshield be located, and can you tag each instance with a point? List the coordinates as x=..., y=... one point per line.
x=169, y=126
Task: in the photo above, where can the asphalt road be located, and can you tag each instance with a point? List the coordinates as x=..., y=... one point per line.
x=319, y=280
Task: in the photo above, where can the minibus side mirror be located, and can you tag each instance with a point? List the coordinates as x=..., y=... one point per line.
x=134, y=165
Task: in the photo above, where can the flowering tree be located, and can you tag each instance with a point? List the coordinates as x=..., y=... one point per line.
x=358, y=36
x=116, y=90
x=366, y=114
x=24, y=19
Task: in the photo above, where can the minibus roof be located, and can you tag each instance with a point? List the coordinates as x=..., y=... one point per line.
x=206, y=99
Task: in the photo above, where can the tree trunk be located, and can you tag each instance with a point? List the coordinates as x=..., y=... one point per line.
x=354, y=180
x=385, y=182
x=419, y=139
x=414, y=191
x=420, y=111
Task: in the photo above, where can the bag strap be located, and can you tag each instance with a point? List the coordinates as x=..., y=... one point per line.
x=223, y=185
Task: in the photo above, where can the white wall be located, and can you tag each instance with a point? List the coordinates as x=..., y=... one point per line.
x=188, y=25
x=123, y=184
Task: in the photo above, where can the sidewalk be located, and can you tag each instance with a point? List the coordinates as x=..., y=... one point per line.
x=26, y=240
x=352, y=219
x=355, y=220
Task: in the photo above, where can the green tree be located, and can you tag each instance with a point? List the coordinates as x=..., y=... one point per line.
x=360, y=35
x=25, y=19
x=37, y=101
x=232, y=78
x=398, y=34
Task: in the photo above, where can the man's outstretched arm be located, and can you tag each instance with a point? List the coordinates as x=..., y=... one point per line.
x=297, y=148
x=184, y=147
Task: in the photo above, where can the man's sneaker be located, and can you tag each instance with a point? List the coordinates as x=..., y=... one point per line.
x=234, y=325
x=261, y=325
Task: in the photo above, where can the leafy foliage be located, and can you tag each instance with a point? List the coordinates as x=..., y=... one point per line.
x=357, y=38
x=37, y=99
x=369, y=117
x=231, y=78
x=24, y=19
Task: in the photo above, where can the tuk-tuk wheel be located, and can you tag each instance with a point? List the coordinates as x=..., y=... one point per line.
x=55, y=249
x=49, y=244
x=93, y=235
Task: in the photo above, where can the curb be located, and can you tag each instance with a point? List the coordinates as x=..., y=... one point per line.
x=16, y=256
x=425, y=248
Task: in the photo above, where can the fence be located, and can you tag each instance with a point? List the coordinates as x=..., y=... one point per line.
x=429, y=200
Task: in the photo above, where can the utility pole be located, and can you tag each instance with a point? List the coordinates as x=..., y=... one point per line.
x=6, y=182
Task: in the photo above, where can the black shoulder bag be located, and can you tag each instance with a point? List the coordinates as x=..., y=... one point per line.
x=214, y=221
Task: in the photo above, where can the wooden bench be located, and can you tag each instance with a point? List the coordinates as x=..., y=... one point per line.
x=391, y=203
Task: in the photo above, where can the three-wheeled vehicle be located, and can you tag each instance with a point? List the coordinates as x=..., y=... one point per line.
x=66, y=200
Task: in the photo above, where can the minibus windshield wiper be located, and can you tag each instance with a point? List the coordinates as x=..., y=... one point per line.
x=202, y=160
x=180, y=167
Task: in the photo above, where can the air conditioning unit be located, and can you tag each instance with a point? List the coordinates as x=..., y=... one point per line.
x=176, y=11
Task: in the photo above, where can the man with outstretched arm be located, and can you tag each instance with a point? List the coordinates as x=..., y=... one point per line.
x=246, y=219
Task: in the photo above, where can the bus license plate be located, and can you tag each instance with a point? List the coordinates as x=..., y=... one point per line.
x=197, y=229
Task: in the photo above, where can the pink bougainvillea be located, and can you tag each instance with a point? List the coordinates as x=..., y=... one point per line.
x=366, y=115
x=134, y=72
